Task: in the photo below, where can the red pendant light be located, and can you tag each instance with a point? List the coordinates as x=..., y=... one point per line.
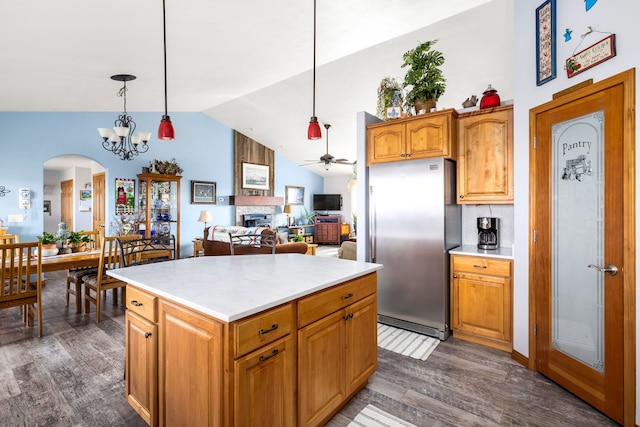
x=314, y=127
x=165, y=130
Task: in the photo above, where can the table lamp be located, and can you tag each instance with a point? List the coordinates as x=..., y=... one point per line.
x=205, y=216
x=287, y=209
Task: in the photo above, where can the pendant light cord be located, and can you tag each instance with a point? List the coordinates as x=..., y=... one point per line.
x=314, y=58
x=164, y=34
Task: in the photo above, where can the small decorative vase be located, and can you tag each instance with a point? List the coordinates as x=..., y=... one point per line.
x=424, y=105
x=490, y=98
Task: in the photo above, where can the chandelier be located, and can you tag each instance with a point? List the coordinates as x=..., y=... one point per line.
x=121, y=140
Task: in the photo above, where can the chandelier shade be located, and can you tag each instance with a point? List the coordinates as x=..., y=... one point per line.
x=314, y=128
x=122, y=140
x=165, y=130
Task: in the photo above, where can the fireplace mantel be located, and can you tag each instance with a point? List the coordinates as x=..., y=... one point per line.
x=256, y=201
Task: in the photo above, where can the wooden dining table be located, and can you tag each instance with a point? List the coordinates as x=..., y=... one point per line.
x=72, y=260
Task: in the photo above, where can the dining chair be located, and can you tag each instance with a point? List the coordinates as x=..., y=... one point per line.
x=9, y=238
x=21, y=279
x=147, y=250
x=97, y=284
x=75, y=276
x=251, y=244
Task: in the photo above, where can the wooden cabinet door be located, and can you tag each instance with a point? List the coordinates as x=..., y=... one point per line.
x=481, y=307
x=265, y=386
x=430, y=137
x=321, y=369
x=485, y=157
x=141, y=366
x=191, y=390
x=386, y=143
x=362, y=342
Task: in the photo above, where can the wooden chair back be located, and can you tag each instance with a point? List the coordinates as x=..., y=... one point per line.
x=21, y=277
x=96, y=236
x=6, y=239
x=147, y=250
x=251, y=244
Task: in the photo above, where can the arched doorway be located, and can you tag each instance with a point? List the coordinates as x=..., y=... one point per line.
x=73, y=188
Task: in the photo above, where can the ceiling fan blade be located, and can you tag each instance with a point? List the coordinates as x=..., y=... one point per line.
x=313, y=163
x=344, y=162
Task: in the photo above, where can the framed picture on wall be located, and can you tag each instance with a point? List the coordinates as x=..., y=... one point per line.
x=294, y=195
x=546, y=42
x=255, y=176
x=47, y=206
x=203, y=193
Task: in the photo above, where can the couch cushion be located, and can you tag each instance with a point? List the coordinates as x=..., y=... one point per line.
x=221, y=232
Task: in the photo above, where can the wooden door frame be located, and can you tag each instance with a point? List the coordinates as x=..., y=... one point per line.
x=627, y=80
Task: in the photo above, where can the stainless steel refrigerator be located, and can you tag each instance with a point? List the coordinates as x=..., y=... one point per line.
x=414, y=221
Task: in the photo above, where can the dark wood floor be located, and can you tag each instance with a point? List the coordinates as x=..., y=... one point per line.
x=72, y=376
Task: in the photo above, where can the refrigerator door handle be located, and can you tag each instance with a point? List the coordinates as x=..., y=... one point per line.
x=372, y=224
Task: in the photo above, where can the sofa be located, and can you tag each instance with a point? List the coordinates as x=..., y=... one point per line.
x=216, y=241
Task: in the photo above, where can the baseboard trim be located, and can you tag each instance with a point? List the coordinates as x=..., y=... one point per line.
x=520, y=358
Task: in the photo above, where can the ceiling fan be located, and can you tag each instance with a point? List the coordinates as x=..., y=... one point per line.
x=327, y=160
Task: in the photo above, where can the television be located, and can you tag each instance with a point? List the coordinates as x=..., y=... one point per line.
x=327, y=202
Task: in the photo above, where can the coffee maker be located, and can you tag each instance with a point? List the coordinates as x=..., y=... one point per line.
x=488, y=232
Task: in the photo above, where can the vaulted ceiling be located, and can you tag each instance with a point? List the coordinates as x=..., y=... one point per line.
x=247, y=64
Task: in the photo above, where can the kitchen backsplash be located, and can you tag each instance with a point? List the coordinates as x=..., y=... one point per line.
x=470, y=213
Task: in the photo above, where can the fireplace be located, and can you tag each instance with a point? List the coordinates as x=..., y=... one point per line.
x=256, y=220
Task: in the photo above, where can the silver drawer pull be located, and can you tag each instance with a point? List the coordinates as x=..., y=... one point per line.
x=136, y=303
x=349, y=295
x=273, y=328
x=273, y=353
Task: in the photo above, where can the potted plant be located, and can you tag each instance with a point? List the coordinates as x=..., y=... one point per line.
x=78, y=241
x=389, y=94
x=49, y=243
x=424, y=76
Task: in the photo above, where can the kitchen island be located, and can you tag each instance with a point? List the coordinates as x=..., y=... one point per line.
x=248, y=340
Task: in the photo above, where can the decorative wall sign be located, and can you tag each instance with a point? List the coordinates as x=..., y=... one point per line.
x=3, y=191
x=591, y=56
x=546, y=42
x=125, y=196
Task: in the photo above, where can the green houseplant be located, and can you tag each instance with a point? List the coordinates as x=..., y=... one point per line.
x=48, y=239
x=389, y=94
x=423, y=76
x=78, y=241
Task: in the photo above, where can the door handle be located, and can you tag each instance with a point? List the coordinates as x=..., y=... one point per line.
x=610, y=269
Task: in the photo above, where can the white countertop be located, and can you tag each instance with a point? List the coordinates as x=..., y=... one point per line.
x=472, y=250
x=233, y=287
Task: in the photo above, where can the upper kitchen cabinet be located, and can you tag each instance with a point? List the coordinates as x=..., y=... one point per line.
x=417, y=137
x=485, y=156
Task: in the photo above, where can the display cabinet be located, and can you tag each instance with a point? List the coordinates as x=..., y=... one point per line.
x=159, y=205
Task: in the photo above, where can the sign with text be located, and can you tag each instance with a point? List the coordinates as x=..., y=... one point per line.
x=592, y=56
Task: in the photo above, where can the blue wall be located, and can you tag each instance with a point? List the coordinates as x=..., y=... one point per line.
x=203, y=148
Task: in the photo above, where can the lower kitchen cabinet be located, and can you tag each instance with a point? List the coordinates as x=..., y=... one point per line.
x=141, y=358
x=337, y=353
x=264, y=384
x=295, y=364
x=481, y=300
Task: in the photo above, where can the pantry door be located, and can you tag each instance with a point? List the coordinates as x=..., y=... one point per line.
x=582, y=256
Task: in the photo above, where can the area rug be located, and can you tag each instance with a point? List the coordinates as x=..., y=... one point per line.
x=406, y=342
x=370, y=416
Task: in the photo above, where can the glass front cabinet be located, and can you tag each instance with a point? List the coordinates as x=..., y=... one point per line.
x=159, y=205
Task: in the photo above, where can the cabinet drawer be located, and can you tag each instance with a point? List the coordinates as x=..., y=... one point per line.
x=319, y=305
x=262, y=329
x=142, y=303
x=480, y=265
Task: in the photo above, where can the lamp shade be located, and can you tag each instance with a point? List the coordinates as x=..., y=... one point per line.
x=165, y=130
x=314, y=129
x=287, y=209
x=205, y=216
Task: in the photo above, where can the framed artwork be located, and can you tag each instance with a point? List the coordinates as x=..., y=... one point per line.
x=546, y=42
x=203, y=193
x=125, y=196
x=85, y=194
x=47, y=206
x=255, y=176
x=294, y=195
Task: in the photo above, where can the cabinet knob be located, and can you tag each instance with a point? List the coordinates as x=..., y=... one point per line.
x=462, y=196
x=147, y=334
x=455, y=277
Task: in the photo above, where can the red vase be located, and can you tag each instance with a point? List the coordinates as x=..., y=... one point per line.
x=490, y=98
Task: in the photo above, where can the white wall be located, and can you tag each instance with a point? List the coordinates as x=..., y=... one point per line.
x=340, y=185
x=616, y=16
